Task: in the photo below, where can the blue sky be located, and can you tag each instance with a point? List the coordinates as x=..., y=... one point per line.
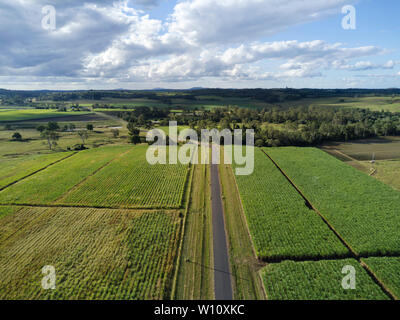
x=143, y=44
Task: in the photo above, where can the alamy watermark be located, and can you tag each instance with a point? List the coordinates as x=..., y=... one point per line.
x=205, y=149
x=49, y=280
x=349, y=281
x=49, y=20
x=349, y=21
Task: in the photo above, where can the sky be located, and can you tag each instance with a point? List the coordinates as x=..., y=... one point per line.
x=146, y=44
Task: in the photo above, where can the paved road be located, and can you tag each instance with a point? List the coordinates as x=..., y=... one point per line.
x=222, y=277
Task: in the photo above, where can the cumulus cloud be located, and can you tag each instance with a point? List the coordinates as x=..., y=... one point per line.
x=119, y=42
x=205, y=21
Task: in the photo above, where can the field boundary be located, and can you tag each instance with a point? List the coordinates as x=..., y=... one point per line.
x=182, y=234
x=77, y=206
x=166, y=210
x=326, y=221
x=37, y=171
x=66, y=193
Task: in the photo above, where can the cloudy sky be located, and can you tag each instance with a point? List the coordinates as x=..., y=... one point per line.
x=144, y=44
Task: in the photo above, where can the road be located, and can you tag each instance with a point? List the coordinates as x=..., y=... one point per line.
x=222, y=277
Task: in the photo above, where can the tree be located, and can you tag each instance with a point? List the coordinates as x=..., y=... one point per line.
x=115, y=133
x=49, y=132
x=53, y=126
x=89, y=127
x=134, y=133
x=17, y=136
x=83, y=135
x=51, y=136
x=40, y=128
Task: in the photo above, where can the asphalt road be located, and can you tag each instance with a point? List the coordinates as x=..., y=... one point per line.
x=222, y=277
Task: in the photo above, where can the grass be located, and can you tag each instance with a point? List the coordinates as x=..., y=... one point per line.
x=130, y=181
x=47, y=186
x=363, y=211
x=34, y=144
x=280, y=223
x=384, y=148
x=97, y=254
x=388, y=270
x=13, y=169
x=35, y=114
x=387, y=171
x=244, y=263
x=195, y=276
x=317, y=280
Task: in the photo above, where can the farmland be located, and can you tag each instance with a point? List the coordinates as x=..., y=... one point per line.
x=47, y=186
x=34, y=114
x=102, y=254
x=387, y=269
x=317, y=280
x=281, y=225
x=130, y=181
x=13, y=169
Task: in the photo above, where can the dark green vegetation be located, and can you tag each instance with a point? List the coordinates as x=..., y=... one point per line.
x=280, y=117
x=363, y=210
x=317, y=280
x=387, y=269
x=281, y=225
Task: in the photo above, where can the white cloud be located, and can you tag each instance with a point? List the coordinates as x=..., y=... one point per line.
x=210, y=21
x=203, y=39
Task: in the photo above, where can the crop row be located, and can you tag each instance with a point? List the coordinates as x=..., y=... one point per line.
x=364, y=211
x=280, y=223
x=97, y=254
x=319, y=280
x=48, y=185
x=13, y=169
x=130, y=181
x=387, y=269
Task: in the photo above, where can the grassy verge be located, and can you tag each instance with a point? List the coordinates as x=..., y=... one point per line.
x=244, y=265
x=195, y=277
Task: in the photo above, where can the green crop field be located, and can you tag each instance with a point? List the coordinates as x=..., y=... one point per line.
x=388, y=270
x=364, y=211
x=13, y=169
x=47, y=186
x=6, y=210
x=317, y=280
x=34, y=114
x=97, y=254
x=281, y=225
x=130, y=181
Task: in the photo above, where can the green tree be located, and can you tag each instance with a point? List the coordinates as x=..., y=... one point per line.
x=89, y=127
x=17, y=136
x=51, y=136
x=134, y=133
x=83, y=135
